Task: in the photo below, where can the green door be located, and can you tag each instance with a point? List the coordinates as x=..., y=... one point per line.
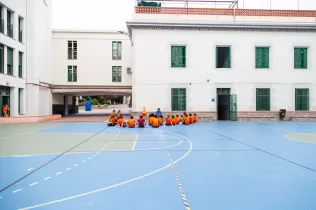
x=233, y=107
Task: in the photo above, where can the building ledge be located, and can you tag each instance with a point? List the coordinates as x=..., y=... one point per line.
x=224, y=12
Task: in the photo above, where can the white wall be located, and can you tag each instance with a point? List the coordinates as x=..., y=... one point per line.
x=94, y=62
x=153, y=76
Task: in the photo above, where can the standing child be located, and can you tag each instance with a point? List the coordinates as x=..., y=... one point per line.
x=141, y=122
x=131, y=122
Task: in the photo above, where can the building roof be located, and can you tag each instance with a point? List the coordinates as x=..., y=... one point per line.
x=227, y=12
x=88, y=31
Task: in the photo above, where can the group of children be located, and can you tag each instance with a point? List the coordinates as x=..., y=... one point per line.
x=116, y=119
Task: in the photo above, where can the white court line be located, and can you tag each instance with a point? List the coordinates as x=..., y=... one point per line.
x=15, y=191
x=83, y=161
x=68, y=169
x=30, y=169
x=89, y=158
x=119, y=184
x=0, y=197
x=35, y=183
x=76, y=165
x=135, y=142
x=58, y=173
x=47, y=178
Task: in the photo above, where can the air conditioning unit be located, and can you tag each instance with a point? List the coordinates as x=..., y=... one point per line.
x=129, y=70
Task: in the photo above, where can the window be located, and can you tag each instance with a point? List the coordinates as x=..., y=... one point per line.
x=116, y=73
x=20, y=29
x=1, y=58
x=178, y=56
x=72, y=50
x=19, y=102
x=116, y=50
x=223, y=57
x=1, y=21
x=20, y=64
x=72, y=73
x=263, y=99
x=300, y=58
x=262, y=57
x=9, y=25
x=178, y=99
x=301, y=99
x=9, y=61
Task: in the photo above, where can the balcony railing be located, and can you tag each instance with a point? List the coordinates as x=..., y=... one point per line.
x=10, y=30
x=20, y=35
x=1, y=25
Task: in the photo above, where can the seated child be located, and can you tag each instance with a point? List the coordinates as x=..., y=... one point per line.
x=155, y=122
x=160, y=120
x=168, y=121
x=141, y=122
x=191, y=118
x=187, y=120
x=151, y=117
x=195, y=118
x=121, y=122
x=173, y=120
x=182, y=119
x=131, y=122
x=112, y=121
x=178, y=119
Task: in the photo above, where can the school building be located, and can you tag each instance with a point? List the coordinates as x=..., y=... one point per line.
x=219, y=63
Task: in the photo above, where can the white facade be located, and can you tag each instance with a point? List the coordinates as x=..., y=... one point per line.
x=35, y=26
x=153, y=76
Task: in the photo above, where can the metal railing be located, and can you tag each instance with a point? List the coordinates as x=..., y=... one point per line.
x=10, y=30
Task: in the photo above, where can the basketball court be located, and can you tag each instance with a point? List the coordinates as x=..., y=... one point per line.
x=208, y=165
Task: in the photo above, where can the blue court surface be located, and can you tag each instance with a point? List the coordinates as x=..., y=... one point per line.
x=211, y=165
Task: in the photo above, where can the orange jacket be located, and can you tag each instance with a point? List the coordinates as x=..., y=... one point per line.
x=151, y=120
x=191, y=119
x=187, y=120
x=195, y=119
x=121, y=122
x=168, y=121
x=174, y=121
x=155, y=122
x=160, y=120
x=178, y=120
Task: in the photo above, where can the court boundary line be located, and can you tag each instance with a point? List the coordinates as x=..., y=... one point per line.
x=55, y=158
x=118, y=184
x=271, y=154
x=135, y=142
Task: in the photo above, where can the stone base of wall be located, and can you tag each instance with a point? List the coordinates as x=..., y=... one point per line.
x=29, y=119
x=258, y=115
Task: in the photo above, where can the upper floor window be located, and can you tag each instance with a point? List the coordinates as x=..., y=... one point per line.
x=223, y=57
x=178, y=56
x=1, y=58
x=262, y=57
x=300, y=58
x=72, y=73
x=1, y=20
x=20, y=29
x=20, y=64
x=9, y=61
x=9, y=24
x=72, y=50
x=116, y=50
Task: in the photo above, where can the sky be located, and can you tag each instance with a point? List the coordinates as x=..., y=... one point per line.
x=113, y=14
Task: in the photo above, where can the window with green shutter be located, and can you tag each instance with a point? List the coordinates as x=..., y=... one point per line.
x=301, y=99
x=9, y=61
x=178, y=99
x=1, y=58
x=178, y=56
x=223, y=57
x=116, y=73
x=300, y=58
x=116, y=50
x=72, y=73
x=263, y=99
x=262, y=57
x=20, y=64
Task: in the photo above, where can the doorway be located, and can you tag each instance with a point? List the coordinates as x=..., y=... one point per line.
x=226, y=105
x=4, y=97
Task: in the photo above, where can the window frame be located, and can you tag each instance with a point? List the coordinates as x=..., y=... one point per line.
x=264, y=65
x=176, y=105
x=20, y=65
x=116, y=74
x=72, y=73
x=229, y=56
x=2, y=59
x=11, y=64
x=117, y=52
x=176, y=57
x=300, y=102
x=72, y=50
x=305, y=65
x=263, y=98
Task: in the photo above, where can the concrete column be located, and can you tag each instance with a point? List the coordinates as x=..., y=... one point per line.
x=14, y=100
x=66, y=105
x=23, y=101
x=124, y=100
x=4, y=12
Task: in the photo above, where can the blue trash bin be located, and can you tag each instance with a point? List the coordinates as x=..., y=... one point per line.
x=88, y=106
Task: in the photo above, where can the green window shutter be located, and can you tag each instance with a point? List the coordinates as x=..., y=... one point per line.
x=20, y=64
x=178, y=56
x=173, y=56
x=119, y=74
x=9, y=61
x=304, y=58
x=262, y=57
x=300, y=58
x=301, y=99
x=74, y=74
x=258, y=57
x=229, y=58
x=263, y=99
x=178, y=99
x=69, y=73
x=266, y=57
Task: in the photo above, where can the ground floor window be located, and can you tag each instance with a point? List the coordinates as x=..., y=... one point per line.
x=263, y=99
x=178, y=99
x=301, y=99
